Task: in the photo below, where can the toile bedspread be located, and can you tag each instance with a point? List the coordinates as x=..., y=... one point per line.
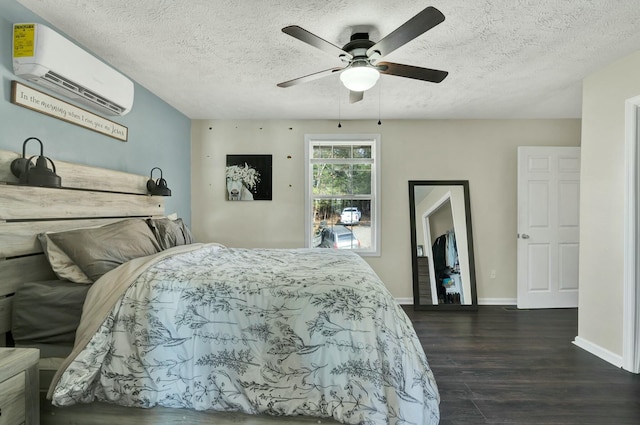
x=285, y=332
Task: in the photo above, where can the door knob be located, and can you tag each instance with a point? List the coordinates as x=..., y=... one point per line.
x=525, y=236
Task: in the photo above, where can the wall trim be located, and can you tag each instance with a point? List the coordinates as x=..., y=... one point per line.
x=598, y=351
x=481, y=301
x=405, y=300
x=631, y=313
x=497, y=301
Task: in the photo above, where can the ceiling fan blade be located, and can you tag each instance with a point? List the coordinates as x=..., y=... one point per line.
x=419, y=24
x=355, y=96
x=415, y=72
x=315, y=41
x=310, y=77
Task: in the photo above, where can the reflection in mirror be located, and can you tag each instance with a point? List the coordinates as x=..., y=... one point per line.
x=442, y=245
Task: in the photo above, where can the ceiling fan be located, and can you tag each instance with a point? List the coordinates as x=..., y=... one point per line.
x=361, y=55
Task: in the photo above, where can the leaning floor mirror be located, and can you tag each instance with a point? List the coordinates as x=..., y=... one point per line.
x=442, y=245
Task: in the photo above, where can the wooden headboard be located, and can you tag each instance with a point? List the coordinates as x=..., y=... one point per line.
x=90, y=196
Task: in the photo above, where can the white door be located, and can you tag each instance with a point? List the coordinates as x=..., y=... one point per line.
x=548, y=226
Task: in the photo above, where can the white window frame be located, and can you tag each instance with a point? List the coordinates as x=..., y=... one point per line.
x=351, y=139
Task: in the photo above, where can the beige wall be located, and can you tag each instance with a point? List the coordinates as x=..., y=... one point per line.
x=602, y=199
x=481, y=151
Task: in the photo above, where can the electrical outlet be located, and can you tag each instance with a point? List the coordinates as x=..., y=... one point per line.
x=492, y=275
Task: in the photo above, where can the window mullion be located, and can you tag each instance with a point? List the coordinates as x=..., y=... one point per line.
x=341, y=161
x=359, y=197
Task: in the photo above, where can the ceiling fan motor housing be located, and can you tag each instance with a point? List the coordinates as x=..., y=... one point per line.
x=358, y=45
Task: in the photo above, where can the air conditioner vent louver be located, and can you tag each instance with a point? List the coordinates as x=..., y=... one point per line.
x=60, y=81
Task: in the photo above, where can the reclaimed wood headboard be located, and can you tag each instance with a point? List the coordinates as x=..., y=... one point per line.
x=90, y=196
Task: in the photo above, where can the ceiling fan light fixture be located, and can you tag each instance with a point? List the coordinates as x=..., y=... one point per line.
x=359, y=78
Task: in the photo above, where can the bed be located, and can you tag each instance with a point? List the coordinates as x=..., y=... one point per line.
x=172, y=329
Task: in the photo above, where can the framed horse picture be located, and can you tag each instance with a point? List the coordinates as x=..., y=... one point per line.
x=249, y=177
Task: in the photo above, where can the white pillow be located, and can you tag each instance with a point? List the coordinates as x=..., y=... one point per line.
x=60, y=262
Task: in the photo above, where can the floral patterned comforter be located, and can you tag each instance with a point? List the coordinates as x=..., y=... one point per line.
x=285, y=332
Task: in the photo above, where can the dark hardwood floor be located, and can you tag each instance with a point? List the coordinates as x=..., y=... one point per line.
x=500, y=365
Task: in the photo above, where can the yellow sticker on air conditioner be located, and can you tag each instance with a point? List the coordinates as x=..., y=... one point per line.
x=23, y=40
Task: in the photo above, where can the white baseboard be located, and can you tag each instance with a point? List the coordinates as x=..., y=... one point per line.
x=497, y=301
x=404, y=300
x=481, y=301
x=598, y=351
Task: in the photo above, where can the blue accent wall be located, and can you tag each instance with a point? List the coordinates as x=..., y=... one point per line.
x=159, y=135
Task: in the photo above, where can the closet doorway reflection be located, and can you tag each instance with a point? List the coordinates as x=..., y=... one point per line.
x=442, y=245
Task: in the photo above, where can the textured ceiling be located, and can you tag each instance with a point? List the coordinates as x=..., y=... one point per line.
x=222, y=59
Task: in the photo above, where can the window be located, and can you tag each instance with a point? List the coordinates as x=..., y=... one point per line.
x=342, y=195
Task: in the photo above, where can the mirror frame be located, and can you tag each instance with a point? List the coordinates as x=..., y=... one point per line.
x=414, y=247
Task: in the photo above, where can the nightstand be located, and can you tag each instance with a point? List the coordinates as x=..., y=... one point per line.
x=19, y=395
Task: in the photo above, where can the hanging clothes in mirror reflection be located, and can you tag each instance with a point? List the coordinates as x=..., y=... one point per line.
x=447, y=269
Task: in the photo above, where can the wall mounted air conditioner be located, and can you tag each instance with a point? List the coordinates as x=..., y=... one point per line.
x=45, y=57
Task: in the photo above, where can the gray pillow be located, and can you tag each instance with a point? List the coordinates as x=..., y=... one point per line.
x=170, y=233
x=47, y=312
x=101, y=249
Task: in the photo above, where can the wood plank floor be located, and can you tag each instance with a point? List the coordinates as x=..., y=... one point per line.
x=496, y=365
x=500, y=365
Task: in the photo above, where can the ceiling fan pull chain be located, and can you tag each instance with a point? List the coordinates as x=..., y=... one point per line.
x=339, y=110
x=379, y=102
